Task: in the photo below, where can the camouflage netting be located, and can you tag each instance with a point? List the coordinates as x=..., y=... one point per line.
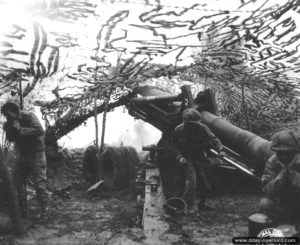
x=69, y=53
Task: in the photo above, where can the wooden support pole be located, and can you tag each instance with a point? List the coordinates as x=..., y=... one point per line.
x=96, y=123
x=103, y=125
x=106, y=102
x=97, y=139
x=21, y=93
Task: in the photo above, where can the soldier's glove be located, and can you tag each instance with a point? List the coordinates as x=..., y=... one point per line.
x=222, y=154
x=16, y=125
x=182, y=161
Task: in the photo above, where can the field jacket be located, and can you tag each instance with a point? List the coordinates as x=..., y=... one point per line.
x=30, y=137
x=193, y=139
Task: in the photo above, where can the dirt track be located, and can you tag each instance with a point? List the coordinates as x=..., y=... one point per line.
x=114, y=218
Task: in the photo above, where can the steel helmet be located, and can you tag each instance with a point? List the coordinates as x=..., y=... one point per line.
x=286, y=140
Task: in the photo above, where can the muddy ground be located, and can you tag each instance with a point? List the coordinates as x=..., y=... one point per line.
x=115, y=218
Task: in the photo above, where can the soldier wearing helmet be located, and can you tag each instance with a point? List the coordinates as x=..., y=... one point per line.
x=25, y=129
x=192, y=140
x=281, y=179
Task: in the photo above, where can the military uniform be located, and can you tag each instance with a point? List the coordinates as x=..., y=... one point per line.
x=281, y=182
x=29, y=139
x=192, y=140
x=283, y=197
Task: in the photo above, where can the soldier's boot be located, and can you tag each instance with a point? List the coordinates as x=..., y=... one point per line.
x=44, y=215
x=193, y=206
x=190, y=206
x=202, y=206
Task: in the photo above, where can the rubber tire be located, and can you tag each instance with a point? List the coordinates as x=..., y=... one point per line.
x=118, y=167
x=90, y=165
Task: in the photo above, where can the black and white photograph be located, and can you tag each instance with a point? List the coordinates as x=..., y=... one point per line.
x=151, y=122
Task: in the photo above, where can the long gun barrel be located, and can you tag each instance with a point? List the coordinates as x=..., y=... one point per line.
x=157, y=99
x=256, y=149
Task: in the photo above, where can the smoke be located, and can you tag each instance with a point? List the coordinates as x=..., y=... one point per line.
x=120, y=129
x=139, y=135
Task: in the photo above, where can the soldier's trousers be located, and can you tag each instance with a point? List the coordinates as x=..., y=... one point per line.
x=197, y=182
x=33, y=164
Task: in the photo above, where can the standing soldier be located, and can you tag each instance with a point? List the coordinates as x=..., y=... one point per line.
x=26, y=131
x=281, y=179
x=192, y=139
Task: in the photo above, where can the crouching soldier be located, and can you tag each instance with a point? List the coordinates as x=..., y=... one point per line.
x=281, y=179
x=26, y=131
x=191, y=140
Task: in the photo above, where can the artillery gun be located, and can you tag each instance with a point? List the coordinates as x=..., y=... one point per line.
x=247, y=153
x=163, y=110
x=163, y=177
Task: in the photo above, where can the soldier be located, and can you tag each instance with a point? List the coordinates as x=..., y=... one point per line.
x=281, y=179
x=26, y=131
x=192, y=140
